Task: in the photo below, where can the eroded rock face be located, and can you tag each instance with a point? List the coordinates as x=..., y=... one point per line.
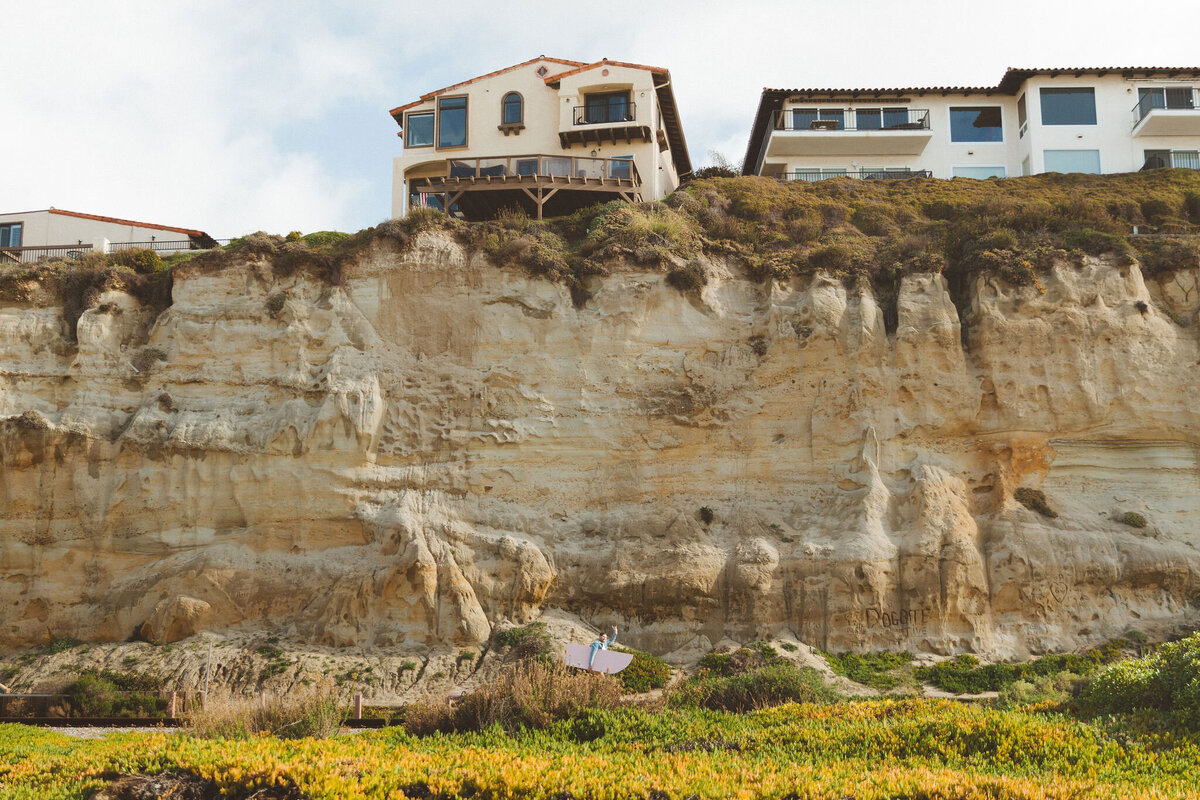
x=439, y=446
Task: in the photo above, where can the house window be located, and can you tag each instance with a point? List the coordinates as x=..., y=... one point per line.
x=419, y=130
x=1022, y=116
x=978, y=173
x=10, y=235
x=512, y=109
x=1075, y=106
x=1086, y=161
x=607, y=107
x=452, y=122
x=976, y=124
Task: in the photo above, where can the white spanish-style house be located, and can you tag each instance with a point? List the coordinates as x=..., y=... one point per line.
x=1093, y=120
x=546, y=135
x=30, y=236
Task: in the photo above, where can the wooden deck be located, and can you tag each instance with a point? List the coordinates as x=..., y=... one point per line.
x=542, y=185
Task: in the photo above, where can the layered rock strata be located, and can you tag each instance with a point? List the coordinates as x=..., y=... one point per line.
x=440, y=446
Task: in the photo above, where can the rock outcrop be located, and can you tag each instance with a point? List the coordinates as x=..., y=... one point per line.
x=439, y=446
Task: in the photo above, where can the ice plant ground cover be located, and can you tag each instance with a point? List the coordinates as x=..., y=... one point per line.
x=912, y=748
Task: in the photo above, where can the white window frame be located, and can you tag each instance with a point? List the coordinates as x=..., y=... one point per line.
x=1002, y=169
x=1096, y=150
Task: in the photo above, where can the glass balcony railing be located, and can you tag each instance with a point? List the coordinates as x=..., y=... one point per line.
x=1168, y=99
x=542, y=166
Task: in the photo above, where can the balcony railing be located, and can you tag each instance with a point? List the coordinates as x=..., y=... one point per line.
x=538, y=166
x=1169, y=99
x=875, y=174
x=605, y=114
x=1183, y=159
x=32, y=255
x=852, y=119
x=171, y=246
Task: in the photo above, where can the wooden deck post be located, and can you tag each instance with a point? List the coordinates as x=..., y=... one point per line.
x=358, y=706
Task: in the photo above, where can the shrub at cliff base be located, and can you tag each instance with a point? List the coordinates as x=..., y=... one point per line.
x=763, y=687
x=531, y=694
x=284, y=716
x=882, y=671
x=1167, y=680
x=644, y=673
x=106, y=693
x=963, y=674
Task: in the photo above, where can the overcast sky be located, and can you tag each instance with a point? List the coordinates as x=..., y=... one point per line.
x=240, y=116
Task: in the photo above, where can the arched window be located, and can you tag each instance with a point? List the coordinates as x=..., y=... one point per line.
x=513, y=109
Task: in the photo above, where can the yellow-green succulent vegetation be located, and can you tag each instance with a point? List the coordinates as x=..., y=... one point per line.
x=1130, y=729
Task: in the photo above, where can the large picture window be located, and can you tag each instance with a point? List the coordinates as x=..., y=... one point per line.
x=1086, y=161
x=976, y=124
x=978, y=173
x=452, y=122
x=10, y=235
x=420, y=130
x=1075, y=106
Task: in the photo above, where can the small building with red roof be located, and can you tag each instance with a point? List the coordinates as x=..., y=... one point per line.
x=27, y=236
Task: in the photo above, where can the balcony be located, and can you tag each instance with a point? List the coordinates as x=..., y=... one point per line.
x=850, y=132
x=606, y=114
x=613, y=122
x=1167, y=112
x=480, y=186
x=874, y=175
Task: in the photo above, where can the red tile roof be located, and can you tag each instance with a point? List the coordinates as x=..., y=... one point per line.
x=115, y=220
x=431, y=95
x=552, y=79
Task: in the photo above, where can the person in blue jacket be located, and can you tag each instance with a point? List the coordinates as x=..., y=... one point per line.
x=601, y=644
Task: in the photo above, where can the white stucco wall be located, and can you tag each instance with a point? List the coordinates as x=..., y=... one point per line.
x=547, y=111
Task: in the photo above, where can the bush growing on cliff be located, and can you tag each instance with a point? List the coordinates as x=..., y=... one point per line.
x=524, y=642
x=690, y=278
x=1034, y=500
x=1132, y=519
x=140, y=260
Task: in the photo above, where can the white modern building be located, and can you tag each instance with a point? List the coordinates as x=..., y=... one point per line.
x=29, y=236
x=547, y=135
x=1092, y=120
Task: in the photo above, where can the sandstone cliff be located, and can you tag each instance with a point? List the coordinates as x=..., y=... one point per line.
x=440, y=445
